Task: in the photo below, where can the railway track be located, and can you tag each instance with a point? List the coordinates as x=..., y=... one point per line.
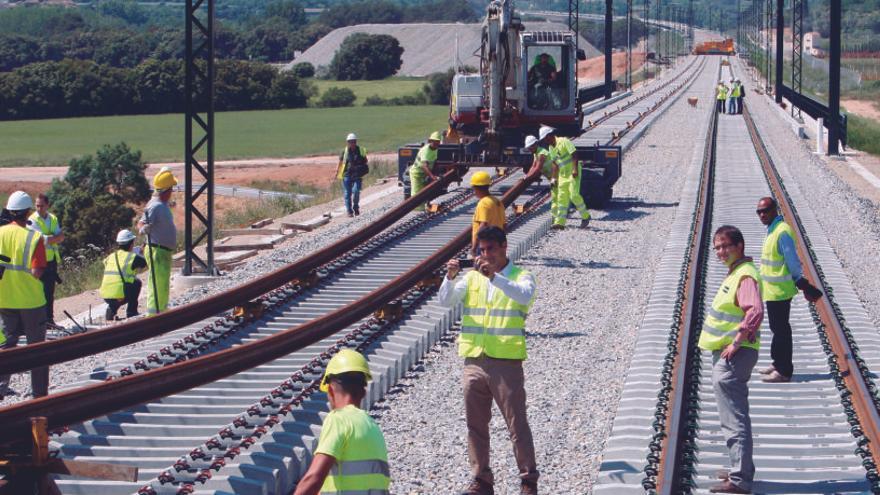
x=817, y=434
x=233, y=397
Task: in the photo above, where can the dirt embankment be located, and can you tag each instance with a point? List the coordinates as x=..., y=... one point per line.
x=863, y=108
x=593, y=69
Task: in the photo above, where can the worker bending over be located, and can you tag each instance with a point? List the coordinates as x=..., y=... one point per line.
x=351, y=456
x=120, y=284
x=496, y=296
x=157, y=224
x=566, y=171
x=423, y=167
x=543, y=161
x=489, y=211
x=22, y=300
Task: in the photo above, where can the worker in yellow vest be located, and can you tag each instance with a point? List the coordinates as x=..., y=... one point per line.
x=731, y=333
x=720, y=97
x=781, y=277
x=489, y=210
x=496, y=296
x=120, y=284
x=47, y=224
x=22, y=300
x=543, y=161
x=157, y=223
x=732, y=97
x=351, y=456
x=567, y=171
x=422, y=168
x=352, y=167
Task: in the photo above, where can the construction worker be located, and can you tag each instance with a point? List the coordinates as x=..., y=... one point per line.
x=157, y=223
x=496, y=296
x=422, y=168
x=120, y=284
x=351, y=456
x=489, y=211
x=740, y=93
x=543, y=161
x=781, y=277
x=731, y=333
x=720, y=97
x=47, y=224
x=732, y=98
x=566, y=171
x=351, y=170
x=542, y=82
x=22, y=298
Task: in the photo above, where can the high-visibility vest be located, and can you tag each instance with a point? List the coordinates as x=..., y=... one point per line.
x=547, y=166
x=564, y=151
x=736, y=91
x=343, y=159
x=52, y=253
x=362, y=467
x=18, y=288
x=496, y=328
x=776, y=281
x=426, y=154
x=722, y=93
x=723, y=319
x=112, y=285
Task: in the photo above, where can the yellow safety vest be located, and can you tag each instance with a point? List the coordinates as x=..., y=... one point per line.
x=564, y=151
x=722, y=93
x=426, y=154
x=112, y=285
x=496, y=328
x=362, y=467
x=736, y=91
x=52, y=253
x=343, y=159
x=723, y=318
x=547, y=166
x=18, y=288
x=776, y=281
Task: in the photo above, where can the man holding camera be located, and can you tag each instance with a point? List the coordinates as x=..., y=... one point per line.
x=22, y=300
x=496, y=296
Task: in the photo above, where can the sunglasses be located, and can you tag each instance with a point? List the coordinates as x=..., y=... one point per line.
x=759, y=211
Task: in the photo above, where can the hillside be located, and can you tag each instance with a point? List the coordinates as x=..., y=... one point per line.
x=427, y=47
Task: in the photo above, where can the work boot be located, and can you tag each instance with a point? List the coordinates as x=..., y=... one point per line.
x=585, y=223
x=722, y=474
x=350, y=214
x=557, y=226
x=479, y=487
x=776, y=377
x=528, y=487
x=768, y=370
x=109, y=315
x=727, y=487
x=357, y=213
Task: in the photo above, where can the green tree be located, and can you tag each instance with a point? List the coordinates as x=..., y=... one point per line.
x=304, y=69
x=438, y=87
x=367, y=56
x=337, y=97
x=92, y=199
x=289, y=91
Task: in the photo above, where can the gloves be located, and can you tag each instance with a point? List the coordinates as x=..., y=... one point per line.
x=553, y=183
x=811, y=293
x=145, y=229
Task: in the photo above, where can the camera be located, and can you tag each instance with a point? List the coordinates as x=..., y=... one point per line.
x=465, y=263
x=4, y=259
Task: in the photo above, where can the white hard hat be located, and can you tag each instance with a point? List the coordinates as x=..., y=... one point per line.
x=531, y=141
x=351, y=137
x=19, y=200
x=124, y=236
x=545, y=131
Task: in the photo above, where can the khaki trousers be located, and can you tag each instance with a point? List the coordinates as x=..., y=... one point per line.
x=486, y=379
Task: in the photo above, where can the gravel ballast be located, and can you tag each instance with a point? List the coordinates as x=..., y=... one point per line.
x=592, y=291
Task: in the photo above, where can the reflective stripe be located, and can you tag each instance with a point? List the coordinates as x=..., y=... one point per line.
x=111, y=273
x=493, y=312
x=371, y=491
x=354, y=468
x=769, y=262
x=717, y=332
x=724, y=316
x=776, y=280
x=517, y=332
x=25, y=256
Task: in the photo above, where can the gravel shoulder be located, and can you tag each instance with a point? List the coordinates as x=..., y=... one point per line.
x=592, y=292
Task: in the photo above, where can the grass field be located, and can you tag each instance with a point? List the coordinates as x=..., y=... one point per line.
x=386, y=88
x=265, y=133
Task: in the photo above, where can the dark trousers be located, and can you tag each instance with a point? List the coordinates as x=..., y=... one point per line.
x=739, y=104
x=132, y=291
x=49, y=278
x=32, y=324
x=781, y=348
x=719, y=105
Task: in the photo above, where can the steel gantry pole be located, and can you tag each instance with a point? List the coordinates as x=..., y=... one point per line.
x=629, y=55
x=199, y=136
x=834, y=130
x=780, y=39
x=646, y=27
x=797, y=50
x=609, y=20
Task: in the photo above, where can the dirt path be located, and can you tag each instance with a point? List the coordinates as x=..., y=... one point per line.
x=862, y=108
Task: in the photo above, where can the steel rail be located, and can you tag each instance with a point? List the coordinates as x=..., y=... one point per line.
x=864, y=406
x=21, y=359
x=668, y=477
x=97, y=400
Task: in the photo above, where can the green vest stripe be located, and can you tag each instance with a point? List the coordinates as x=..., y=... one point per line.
x=774, y=264
x=354, y=468
x=493, y=312
x=723, y=316
x=493, y=331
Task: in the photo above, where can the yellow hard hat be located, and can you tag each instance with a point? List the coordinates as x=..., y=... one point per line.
x=481, y=179
x=435, y=136
x=345, y=361
x=164, y=180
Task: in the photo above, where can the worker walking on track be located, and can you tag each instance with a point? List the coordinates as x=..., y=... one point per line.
x=489, y=211
x=567, y=170
x=720, y=97
x=157, y=223
x=351, y=456
x=47, y=224
x=351, y=170
x=731, y=332
x=543, y=161
x=781, y=277
x=423, y=167
x=496, y=296
x=22, y=299
x=120, y=284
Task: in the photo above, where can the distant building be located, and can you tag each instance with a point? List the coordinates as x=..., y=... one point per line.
x=812, y=41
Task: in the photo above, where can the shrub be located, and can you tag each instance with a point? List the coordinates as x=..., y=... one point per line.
x=337, y=97
x=304, y=70
x=367, y=56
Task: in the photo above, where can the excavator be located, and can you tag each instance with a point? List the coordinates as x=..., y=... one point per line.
x=526, y=79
